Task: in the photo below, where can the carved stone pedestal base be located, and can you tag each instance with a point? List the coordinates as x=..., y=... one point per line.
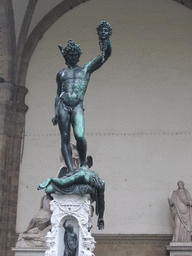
x=179, y=249
x=77, y=211
x=29, y=251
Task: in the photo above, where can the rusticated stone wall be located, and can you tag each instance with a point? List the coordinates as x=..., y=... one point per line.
x=7, y=40
x=12, y=119
x=131, y=245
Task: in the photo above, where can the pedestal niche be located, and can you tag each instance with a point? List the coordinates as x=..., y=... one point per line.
x=74, y=212
x=29, y=251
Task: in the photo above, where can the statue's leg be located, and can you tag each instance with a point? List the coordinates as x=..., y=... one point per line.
x=64, y=127
x=77, y=178
x=78, y=124
x=49, y=189
x=44, y=184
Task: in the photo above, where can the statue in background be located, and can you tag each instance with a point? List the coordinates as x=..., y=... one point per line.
x=34, y=236
x=72, y=83
x=70, y=240
x=180, y=205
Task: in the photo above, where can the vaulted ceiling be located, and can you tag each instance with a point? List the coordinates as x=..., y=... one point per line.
x=32, y=19
x=35, y=10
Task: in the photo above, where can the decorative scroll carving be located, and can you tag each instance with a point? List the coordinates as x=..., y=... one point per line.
x=78, y=208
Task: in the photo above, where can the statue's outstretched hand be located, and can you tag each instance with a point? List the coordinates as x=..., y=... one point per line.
x=54, y=120
x=100, y=223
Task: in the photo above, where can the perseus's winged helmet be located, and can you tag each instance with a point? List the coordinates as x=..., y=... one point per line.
x=71, y=46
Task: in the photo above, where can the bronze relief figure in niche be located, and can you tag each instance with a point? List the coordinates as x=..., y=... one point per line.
x=70, y=240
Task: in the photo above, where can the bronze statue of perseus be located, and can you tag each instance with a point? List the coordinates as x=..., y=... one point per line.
x=72, y=83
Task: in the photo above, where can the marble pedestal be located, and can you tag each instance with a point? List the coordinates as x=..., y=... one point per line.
x=78, y=210
x=29, y=251
x=179, y=249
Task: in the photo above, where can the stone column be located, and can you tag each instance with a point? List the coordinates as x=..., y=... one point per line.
x=12, y=120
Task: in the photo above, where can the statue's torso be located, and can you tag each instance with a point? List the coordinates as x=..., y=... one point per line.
x=73, y=85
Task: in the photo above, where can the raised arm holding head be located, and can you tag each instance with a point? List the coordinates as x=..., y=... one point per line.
x=104, y=32
x=98, y=61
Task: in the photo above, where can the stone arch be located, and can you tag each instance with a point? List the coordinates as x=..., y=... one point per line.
x=45, y=23
x=187, y=3
x=38, y=32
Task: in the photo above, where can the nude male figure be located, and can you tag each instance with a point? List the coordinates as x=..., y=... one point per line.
x=72, y=83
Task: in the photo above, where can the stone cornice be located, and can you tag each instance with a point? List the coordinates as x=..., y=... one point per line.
x=128, y=237
x=123, y=238
x=13, y=96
